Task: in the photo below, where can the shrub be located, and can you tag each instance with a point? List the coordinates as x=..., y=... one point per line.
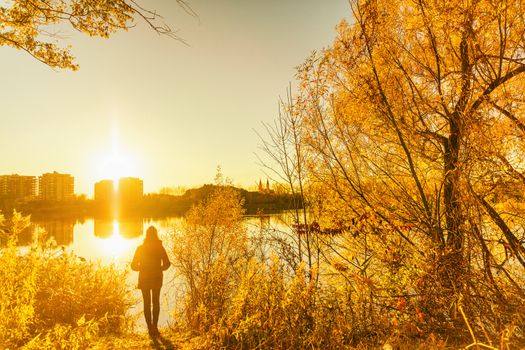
x=209, y=252
x=53, y=299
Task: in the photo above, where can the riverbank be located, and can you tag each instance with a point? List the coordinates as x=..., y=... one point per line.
x=151, y=205
x=179, y=340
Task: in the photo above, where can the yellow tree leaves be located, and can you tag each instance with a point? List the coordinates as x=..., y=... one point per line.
x=30, y=25
x=412, y=101
x=415, y=113
x=209, y=251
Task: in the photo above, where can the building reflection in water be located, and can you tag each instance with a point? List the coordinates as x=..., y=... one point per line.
x=127, y=228
x=119, y=240
x=61, y=230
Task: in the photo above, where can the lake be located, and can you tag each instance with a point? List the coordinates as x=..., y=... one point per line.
x=115, y=241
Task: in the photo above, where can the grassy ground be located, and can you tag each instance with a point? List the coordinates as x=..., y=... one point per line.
x=172, y=340
x=168, y=339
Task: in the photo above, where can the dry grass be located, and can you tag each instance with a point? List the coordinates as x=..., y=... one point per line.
x=51, y=299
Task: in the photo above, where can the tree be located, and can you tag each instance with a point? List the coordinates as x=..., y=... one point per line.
x=209, y=252
x=415, y=116
x=283, y=147
x=28, y=24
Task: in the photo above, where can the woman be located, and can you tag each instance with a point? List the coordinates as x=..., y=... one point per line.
x=150, y=260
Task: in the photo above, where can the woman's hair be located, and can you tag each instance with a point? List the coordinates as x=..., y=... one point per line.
x=151, y=234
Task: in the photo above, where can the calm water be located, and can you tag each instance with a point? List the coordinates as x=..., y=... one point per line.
x=115, y=241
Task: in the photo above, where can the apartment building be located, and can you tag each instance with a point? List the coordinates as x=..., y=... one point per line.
x=17, y=187
x=56, y=187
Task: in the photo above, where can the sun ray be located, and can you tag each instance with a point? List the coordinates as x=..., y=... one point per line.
x=116, y=164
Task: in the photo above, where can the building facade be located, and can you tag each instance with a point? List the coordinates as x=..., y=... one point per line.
x=18, y=187
x=118, y=200
x=104, y=191
x=130, y=190
x=56, y=187
x=263, y=189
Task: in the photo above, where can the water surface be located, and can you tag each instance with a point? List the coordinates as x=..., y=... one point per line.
x=114, y=242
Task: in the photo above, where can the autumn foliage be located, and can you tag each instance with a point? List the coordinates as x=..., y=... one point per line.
x=404, y=139
x=51, y=299
x=408, y=135
x=404, y=142
x=31, y=26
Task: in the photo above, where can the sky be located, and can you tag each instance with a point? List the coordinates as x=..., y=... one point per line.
x=148, y=106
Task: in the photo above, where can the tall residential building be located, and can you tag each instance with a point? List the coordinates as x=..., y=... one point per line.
x=17, y=187
x=130, y=190
x=120, y=201
x=104, y=191
x=56, y=187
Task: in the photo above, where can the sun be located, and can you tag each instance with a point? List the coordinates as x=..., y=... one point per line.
x=116, y=165
x=115, y=162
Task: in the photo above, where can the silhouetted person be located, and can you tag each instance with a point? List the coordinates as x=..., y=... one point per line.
x=150, y=260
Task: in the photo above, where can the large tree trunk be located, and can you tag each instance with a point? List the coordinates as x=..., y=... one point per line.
x=451, y=188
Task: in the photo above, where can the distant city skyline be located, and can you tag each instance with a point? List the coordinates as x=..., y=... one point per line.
x=36, y=187
x=57, y=186
x=53, y=186
x=150, y=107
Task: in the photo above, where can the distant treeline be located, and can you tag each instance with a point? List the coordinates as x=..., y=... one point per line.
x=253, y=202
x=151, y=205
x=79, y=207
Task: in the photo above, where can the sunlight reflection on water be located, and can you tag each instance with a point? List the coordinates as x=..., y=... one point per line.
x=107, y=241
x=116, y=245
x=114, y=242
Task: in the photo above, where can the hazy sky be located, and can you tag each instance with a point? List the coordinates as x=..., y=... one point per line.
x=172, y=112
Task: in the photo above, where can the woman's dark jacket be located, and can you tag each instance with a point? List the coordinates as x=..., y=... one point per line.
x=150, y=260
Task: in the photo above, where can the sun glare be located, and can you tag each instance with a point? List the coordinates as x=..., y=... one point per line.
x=115, y=166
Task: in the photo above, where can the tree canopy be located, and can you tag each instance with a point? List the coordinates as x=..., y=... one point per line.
x=31, y=25
x=415, y=111
x=411, y=136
